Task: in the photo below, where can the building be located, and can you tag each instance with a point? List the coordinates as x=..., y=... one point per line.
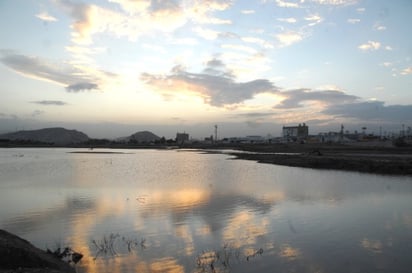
x=295, y=133
x=182, y=138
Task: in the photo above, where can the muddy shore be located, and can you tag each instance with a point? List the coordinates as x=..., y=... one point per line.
x=367, y=159
x=20, y=256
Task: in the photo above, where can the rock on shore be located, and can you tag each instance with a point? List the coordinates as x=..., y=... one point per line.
x=19, y=256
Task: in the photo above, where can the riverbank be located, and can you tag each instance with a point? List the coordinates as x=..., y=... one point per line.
x=368, y=159
x=20, y=256
x=379, y=157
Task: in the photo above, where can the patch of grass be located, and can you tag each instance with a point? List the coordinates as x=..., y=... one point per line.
x=221, y=260
x=106, y=245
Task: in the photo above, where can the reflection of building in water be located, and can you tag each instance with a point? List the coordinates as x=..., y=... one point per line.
x=182, y=138
x=294, y=133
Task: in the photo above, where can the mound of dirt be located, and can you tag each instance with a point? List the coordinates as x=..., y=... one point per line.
x=19, y=256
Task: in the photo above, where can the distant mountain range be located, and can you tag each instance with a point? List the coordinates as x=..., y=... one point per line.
x=62, y=136
x=59, y=136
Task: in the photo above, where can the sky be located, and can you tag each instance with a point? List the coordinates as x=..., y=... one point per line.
x=112, y=68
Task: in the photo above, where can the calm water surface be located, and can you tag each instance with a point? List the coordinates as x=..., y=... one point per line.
x=186, y=211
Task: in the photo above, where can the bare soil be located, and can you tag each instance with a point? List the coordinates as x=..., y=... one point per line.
x=369, y=159
x=19, y=256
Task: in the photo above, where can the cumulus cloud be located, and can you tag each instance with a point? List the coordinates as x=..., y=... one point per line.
x=289, y=37
x=205, y=33
x=215, y=63
x=216, y=89
x=44, y=16
x=50, y=102
x=370, y=45
x=216, y=67
x=137, y=18
x=72, y=77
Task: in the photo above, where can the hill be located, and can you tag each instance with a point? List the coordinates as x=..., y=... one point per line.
x=140, y=137
x=59, y=136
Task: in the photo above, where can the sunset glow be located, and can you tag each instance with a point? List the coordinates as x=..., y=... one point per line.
x=111, y=68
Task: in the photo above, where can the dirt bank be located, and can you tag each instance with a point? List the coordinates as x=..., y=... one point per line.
x=19, y=256
x=379, y=160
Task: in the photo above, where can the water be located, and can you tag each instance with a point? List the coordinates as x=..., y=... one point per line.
x=186, y=211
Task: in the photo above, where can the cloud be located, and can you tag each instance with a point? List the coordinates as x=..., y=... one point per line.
x=243, y=48
x=331, y=106
x=296, y=98
x=61, y=73
x=248, y=11
x=370, y=45
x=386, y=64
x=37, y=113
x=50, y=102
x=206, y=34
x=137, y=18
x=216, y=67
x=220, y=90
x=407, y=71
x=215, y=63
x=290, y=20
x=289, y=37
x=254, y=40
x=228, y=35
x=372, y=111
x=44, y=16
x=308, y=3
x=257, y=114
x=379, y=27
x=254, y=120
x=335, y=2
x=353, y=21
x=81, y=86
x=285, y=4
x=314, y=19
x=7, y=116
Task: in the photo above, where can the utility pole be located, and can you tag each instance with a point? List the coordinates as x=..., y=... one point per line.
x=215, y=133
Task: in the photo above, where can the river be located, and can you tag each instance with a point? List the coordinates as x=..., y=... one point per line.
x=190, y=211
